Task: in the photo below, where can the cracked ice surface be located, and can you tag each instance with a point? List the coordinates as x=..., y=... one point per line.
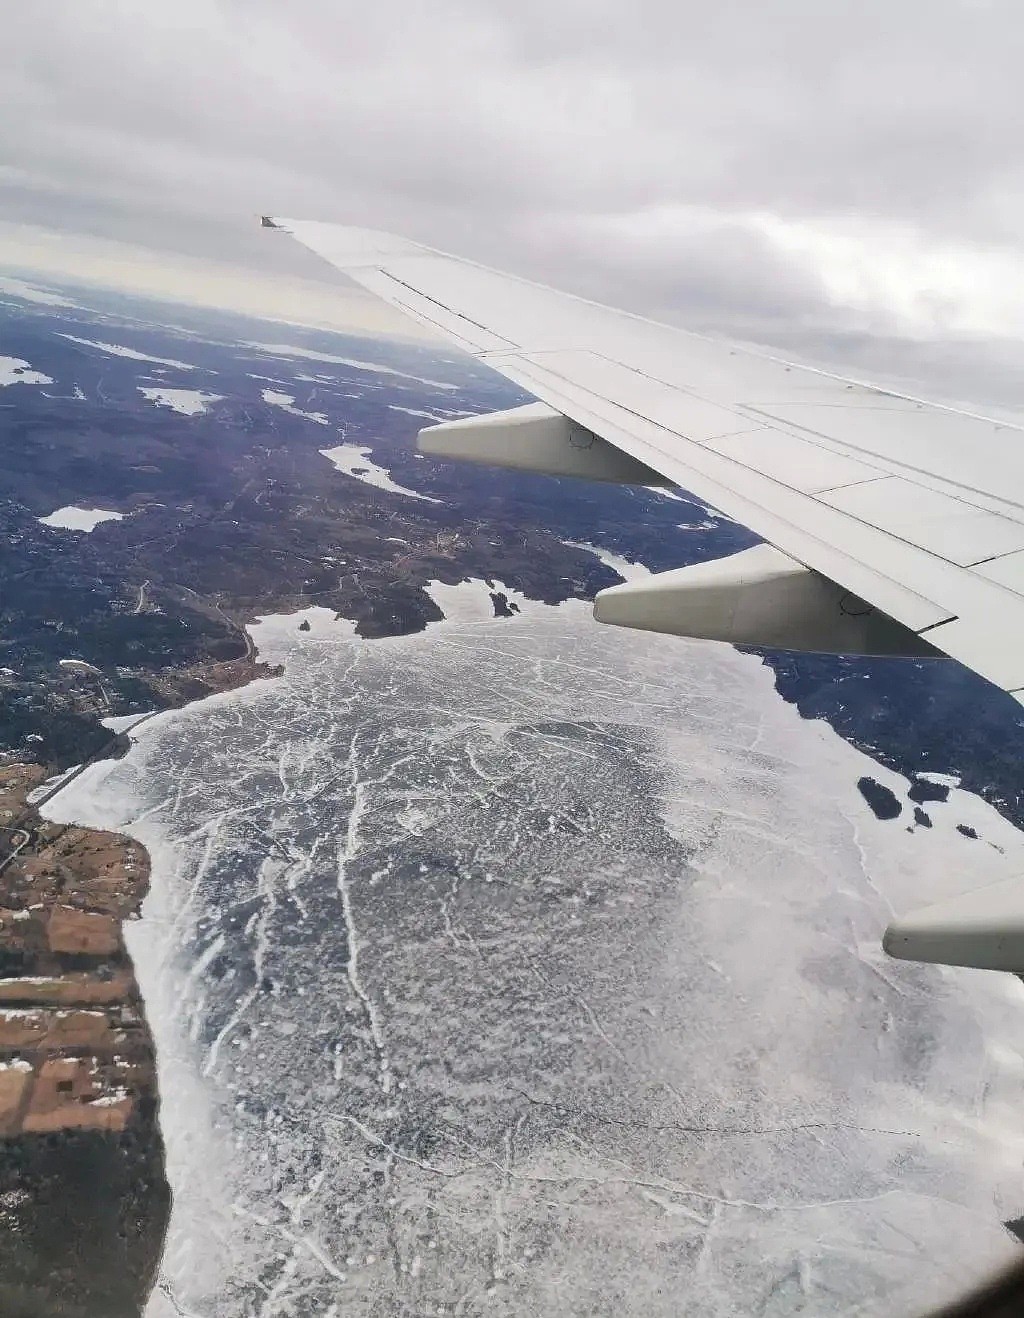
x=528, y=966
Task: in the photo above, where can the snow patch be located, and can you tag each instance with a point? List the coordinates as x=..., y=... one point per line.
x=287, y=404
x=354, y=460
x=118, y=350
x=189, y=402
x=72, y=518
x=375, y=368
x=627, y=571
x=117, y=1095
x=15, y=370
x=416, y=411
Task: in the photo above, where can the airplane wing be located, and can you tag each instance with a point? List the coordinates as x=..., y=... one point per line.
x=892, y=526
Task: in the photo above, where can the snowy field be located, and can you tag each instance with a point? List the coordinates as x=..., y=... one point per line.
x=15, y=370
x=527, y=966
x=73, y=518
x=189, y=402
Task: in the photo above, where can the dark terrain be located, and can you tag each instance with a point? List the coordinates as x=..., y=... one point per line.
x=234, y=512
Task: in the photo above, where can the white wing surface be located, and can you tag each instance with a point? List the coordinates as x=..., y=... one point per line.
x=915, y=508
x=897, y=525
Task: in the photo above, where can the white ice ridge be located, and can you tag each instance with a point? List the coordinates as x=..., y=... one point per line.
x=189, y=402
x=286, y=403
x=628, y=571
x=354, y=460
x=73, y=518
x=116, y=350
x=124, y=722
x=374, y=368
x=14, y=370
x=609, y=911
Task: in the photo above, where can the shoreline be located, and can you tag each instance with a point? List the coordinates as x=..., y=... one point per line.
x=82, y=1155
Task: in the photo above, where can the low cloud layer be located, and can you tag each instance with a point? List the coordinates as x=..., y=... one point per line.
x=779, y=169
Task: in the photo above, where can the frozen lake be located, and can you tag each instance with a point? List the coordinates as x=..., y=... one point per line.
x=525, y=966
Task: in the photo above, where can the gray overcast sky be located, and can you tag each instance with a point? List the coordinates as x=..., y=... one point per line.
x=800, y=171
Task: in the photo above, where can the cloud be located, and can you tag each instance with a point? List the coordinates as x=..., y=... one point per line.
x=852, y=166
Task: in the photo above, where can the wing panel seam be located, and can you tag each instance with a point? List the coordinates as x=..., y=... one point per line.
x=789, y=426
x=902, y=539
x=756, y=504
x=451, y=311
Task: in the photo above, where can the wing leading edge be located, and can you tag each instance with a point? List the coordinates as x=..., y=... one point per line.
x=893, y=526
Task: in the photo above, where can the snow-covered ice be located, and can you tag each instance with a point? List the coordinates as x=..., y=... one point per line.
x=33, y=293
x=375, y=368
x=189, y=402
x=472, y=600
x=15, y=370
x=526, y=966
x=354, y=460
x=125, y=722
x=628, y=571
x=117, y=350
x=73, y=518
x=286, y=403
x=441, y=414
x=277, y=634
